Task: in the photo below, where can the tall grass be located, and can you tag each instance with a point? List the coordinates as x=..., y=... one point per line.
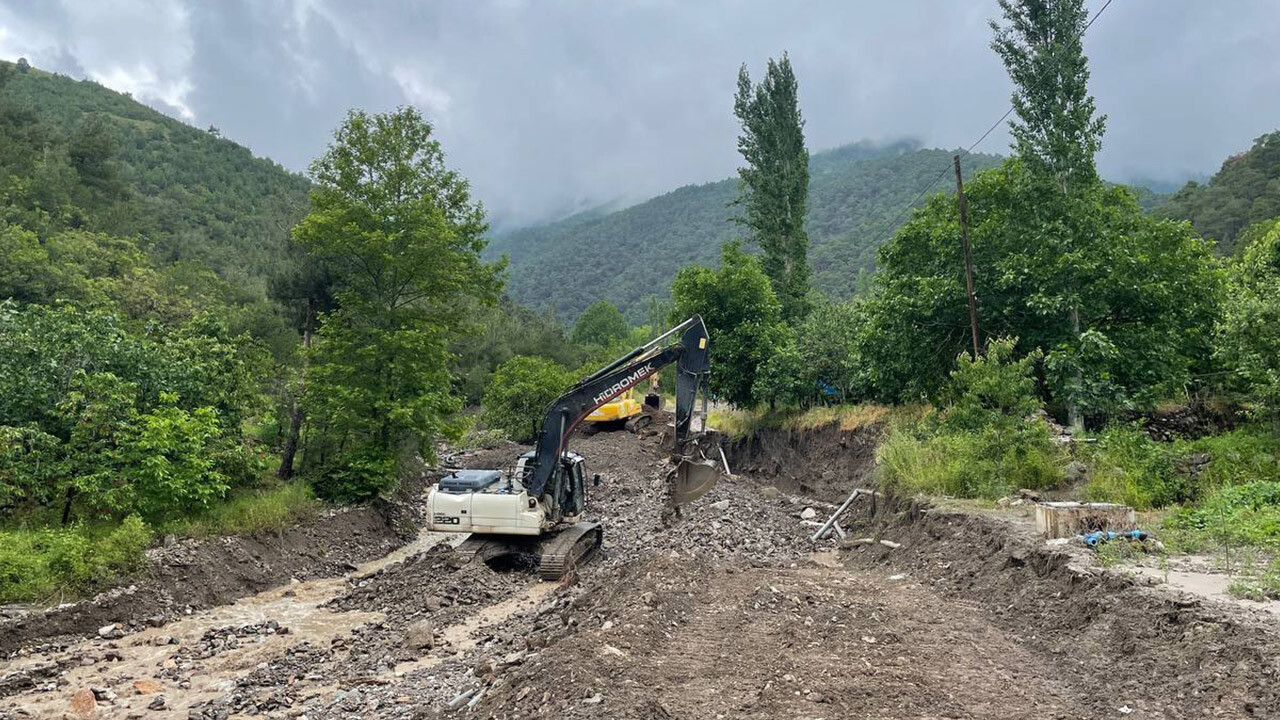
x=52, y=564
x=738, y=423
x=270, y=509
x=1128, y=467
x=925, y=459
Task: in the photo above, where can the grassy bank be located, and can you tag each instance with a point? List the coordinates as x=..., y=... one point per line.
x=40, y=563
x=739, y=423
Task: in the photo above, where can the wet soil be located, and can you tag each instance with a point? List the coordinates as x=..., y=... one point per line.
x=184, y=575
x=822, y=463
x=731, y=612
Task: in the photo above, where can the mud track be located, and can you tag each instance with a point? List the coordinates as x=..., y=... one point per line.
x=730, y=613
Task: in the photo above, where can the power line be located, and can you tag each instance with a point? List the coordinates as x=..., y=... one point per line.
x=968, y=151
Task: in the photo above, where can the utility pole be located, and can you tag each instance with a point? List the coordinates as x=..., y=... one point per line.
x=968, y=258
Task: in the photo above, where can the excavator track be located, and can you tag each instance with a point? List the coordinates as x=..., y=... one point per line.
x=569, y=548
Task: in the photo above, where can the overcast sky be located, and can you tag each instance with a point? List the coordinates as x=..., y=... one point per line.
x=555, y=105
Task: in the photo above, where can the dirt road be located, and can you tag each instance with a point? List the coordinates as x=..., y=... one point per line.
x=731, y=613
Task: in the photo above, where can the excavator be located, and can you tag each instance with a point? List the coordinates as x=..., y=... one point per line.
x=532, y=514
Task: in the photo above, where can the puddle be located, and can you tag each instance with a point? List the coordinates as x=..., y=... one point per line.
x=1212, y=586
x=296, y=607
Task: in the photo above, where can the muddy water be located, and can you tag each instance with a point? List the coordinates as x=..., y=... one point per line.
x=297, y=607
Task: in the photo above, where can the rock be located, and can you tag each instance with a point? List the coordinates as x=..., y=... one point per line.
x=608, y=624
x=808, y=514
x=594, y=699
x=110, y=632
x=147, y=687
x=420, y=635
x=83, y=704
x=157, y=703
x=1076, y=472
x=722, y=505
x=159, y=640
x=102, y=694
x=432, y=604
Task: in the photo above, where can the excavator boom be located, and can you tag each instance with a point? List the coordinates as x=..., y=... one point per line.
x=543, y=500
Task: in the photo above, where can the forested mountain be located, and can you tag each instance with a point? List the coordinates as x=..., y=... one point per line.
x=187, y=194
x=627, y=256
x=1245, y=191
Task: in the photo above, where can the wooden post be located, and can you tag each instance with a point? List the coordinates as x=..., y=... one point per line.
x=968, y=258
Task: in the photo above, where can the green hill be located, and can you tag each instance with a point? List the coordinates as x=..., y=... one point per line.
x=1246, y=190
x=187, y=194
x=630, y=255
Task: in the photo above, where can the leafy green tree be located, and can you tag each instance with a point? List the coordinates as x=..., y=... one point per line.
x=828, y=340
x=743, y=317
x=519, y=392
x=1249, y=329
x=103, y=419
x=601, y=324
x=784, y=378
x=1057, y=135
x=401, y=237
x=1146, y=292
x=775, y=182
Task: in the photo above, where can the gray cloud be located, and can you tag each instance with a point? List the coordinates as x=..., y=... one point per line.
x=556, y=105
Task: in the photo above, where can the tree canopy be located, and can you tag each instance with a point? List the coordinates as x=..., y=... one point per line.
x=1146, y=292
x=601, y=324
x=401, y=237
x=743, y=317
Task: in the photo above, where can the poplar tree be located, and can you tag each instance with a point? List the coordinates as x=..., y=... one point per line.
x=1057, y=135
x=775, y=182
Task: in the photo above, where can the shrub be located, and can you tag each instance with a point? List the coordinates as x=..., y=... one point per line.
x=37, y=565
x=1246, y=514
x=519, y=393
x=986, y=443
x=1128, y=467
x=360, y=477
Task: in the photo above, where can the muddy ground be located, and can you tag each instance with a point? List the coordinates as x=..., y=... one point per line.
x=731, y=613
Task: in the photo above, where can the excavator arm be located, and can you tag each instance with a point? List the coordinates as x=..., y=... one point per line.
x=686, y=345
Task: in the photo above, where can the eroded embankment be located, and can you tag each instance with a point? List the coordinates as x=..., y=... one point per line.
x=825, y=462
x=1128, y=639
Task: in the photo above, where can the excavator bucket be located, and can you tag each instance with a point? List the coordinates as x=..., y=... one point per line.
x=694, y=478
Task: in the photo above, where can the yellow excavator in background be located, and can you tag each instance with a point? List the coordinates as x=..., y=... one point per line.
x=626, y=411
